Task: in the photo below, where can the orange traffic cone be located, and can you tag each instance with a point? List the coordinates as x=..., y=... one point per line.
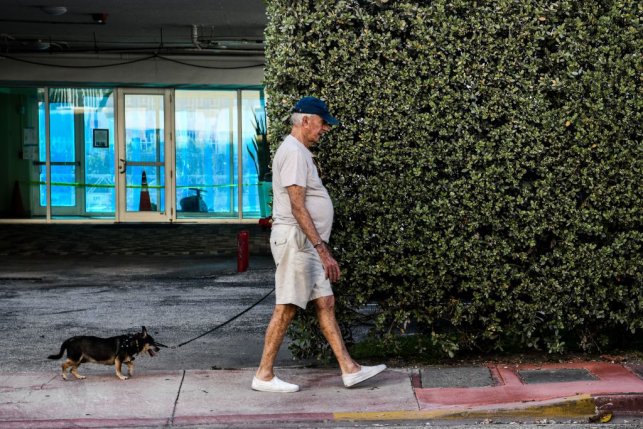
x=144, y=204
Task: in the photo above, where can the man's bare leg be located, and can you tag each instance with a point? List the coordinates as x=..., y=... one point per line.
x=281, y=318
x=325, y=307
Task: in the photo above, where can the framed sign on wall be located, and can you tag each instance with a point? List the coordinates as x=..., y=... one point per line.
x=101, y=137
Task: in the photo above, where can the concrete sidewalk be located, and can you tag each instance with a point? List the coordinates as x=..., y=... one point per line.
x=578, y=390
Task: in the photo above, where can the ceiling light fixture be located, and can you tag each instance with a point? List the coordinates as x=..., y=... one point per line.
x=54, y=10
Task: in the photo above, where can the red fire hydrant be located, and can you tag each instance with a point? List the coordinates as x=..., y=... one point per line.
x=243, y=244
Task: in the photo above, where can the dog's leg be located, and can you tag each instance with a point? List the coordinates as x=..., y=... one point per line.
x=118, y=364
x=130, y=367
x=74, y=372
x=66, y=365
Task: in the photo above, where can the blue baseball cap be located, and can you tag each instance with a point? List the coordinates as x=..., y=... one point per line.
x=315, y=106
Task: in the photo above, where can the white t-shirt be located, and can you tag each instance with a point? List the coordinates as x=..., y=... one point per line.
x=293, y=165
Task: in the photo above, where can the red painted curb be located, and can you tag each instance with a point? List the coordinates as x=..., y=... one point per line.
x=612, y=379
x=626, y=404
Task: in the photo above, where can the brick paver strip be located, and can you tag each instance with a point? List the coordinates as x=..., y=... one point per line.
x=612, y=378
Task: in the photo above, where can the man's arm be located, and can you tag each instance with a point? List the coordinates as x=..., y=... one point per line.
x=297, y=203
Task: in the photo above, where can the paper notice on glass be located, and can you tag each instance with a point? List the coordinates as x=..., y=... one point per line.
x=30, y=152
x=30, y=137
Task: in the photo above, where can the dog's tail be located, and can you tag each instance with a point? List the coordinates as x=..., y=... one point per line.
x=62, y=351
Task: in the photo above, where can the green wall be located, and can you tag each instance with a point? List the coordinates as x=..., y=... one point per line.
x=486, y=175
x=18, y=109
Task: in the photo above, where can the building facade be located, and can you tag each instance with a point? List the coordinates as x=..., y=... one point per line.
x=158, y=136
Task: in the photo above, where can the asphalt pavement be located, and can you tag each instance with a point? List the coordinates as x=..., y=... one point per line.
x=46, y=299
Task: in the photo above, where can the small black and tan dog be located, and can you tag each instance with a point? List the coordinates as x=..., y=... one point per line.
x=107, y=351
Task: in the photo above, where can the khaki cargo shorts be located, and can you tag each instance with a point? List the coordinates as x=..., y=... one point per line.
x=300, y=275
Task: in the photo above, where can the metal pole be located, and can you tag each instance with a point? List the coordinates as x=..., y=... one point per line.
x=48, y=153
x=231, y=142
x=170, y=156
x=158, y=105
x=240, y=152
x=117, y=154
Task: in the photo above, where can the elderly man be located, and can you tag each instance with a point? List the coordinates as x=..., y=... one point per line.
x=303, y=217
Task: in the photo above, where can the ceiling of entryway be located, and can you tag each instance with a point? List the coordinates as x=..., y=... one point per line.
x=164, y=26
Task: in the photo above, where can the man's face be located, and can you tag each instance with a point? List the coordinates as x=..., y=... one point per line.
x=315, y=127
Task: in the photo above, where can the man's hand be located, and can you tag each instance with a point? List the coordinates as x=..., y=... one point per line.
x=297, y=196
x=331, y=267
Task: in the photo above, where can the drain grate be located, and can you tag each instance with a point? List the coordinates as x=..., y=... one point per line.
x=539, y=376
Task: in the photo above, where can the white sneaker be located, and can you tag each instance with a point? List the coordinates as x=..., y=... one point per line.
x=274, y=385
x=363, y=374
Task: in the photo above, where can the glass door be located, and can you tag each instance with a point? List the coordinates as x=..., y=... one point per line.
x=65, y=135
x=144, y=166
x=81, y=151
x=206, y=160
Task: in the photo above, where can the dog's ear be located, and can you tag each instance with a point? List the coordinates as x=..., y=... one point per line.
x=144, y=332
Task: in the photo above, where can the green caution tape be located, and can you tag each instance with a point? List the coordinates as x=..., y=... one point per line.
x=78, y=185
x=89, y=185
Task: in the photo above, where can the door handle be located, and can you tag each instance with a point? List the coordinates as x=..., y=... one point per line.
x=121, y=168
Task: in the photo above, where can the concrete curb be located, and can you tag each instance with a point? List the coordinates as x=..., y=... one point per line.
x=576, y=407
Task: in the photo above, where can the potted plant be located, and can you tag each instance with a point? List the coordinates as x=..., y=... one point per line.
x=261, y=159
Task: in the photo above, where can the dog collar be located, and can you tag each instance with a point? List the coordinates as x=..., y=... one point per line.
x=125, y=345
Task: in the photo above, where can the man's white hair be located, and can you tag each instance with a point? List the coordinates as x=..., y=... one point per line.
x=297, y=118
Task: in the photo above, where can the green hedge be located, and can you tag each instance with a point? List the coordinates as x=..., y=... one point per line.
x=487, y=173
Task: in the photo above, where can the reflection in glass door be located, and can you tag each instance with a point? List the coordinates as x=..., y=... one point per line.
x=82, y=165
x=206, y=154
x=218, y=134
x=144, y=138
